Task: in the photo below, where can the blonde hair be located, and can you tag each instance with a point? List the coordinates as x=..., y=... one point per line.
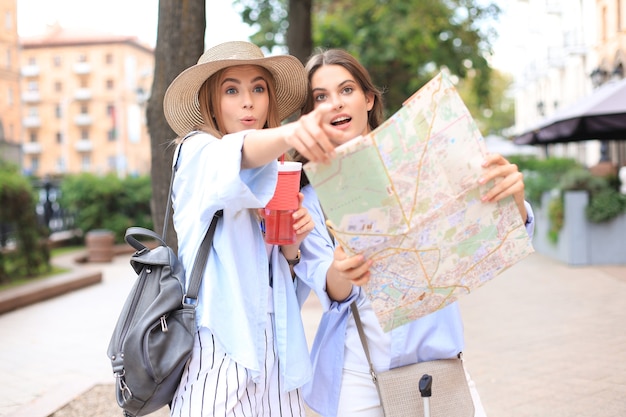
x=209, y=99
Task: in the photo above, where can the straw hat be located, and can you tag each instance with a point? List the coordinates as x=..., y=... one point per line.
x=181, y=106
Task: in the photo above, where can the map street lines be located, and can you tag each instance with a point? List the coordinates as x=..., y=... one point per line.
x=407, y=196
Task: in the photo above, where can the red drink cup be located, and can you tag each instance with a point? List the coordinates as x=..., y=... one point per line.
x=278, y=212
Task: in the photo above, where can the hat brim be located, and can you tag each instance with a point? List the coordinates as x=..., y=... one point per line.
x=181, y=106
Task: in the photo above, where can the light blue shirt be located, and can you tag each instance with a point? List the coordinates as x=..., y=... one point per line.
x=438, y=335
x=233, y=299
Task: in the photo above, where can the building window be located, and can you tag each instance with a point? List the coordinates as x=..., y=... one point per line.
x=33, y=111
x=84, y=134
x=82, y=58
x=32, y=135
x=84, y=109
x=56, y=61
x=58, y=110
x=34, y=164
x=58, y=86
x=111, y=136
x=8, y=21
x=108, y=58
x=59, y=137
x=33, y=86
x=110, y=110
x=10, y=97
x=61, y=165
x=110, y=84
x=85, y=163
x=9, y=59
x=112, y=160
x=32, y=60
x=83, y=82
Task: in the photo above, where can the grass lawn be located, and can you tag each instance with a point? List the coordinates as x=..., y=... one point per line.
x=53, y=271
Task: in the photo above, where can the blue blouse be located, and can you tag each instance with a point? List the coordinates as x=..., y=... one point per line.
x=337, y=346
x=233, y=299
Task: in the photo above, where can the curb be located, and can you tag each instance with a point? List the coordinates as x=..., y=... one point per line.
x=34, y=292
x=46, y=288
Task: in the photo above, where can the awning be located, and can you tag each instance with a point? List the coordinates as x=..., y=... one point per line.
x=601, y=115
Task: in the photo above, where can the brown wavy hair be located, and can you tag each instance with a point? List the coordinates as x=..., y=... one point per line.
x=361, y=75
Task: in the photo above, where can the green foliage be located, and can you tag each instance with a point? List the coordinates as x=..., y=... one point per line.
x=17, y=208
x=542, y=175
x=556, y=214
x=498, y=112
x=580, y=179
x=108, y=202
x=561, y=175
x=403, y=43
x=605, y=205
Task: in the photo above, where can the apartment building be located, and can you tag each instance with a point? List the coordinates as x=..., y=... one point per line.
x=10, y=113
x=556, y=56
x=83, y=103
x=568, y=49
x=611, y=59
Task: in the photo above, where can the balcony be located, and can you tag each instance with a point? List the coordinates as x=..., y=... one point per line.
x=83, y=119
x=82, y=94
x=30, y=70
x=31, y=121
x=574, y=42
x=554, y=7
x=556, y=57
x=84, y=145
x=31, y=97
x=31, y=148
x=82, y=68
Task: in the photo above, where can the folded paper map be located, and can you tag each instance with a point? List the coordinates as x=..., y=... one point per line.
x=407, y=196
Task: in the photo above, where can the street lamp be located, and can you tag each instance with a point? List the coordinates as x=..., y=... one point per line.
x=598, y=77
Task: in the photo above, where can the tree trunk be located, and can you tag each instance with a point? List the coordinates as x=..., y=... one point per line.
x=180, y=42
x=299, y=38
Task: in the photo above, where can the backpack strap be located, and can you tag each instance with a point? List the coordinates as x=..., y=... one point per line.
x=203, y=251
x=168, y=207
x=201, y=258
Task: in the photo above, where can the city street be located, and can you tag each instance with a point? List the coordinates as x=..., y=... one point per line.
x=542, y=340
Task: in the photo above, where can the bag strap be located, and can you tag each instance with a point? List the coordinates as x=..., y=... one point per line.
x=203, y=252
x=203, y=255
x=359, y=326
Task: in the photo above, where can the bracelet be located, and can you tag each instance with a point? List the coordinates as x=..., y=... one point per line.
x=295, y=261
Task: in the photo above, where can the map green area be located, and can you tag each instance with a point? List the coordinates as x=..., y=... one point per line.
x=407, y=196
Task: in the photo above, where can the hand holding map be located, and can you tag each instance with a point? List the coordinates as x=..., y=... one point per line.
x=407, y=197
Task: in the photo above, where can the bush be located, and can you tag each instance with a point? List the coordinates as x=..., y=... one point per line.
x=562, y=174
x=17, y=208
x=108, y=202
x=542, y=175
x=605, y=206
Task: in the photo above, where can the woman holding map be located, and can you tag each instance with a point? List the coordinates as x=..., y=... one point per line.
x=342, y=385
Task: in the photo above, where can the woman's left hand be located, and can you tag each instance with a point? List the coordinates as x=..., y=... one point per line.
x=507, y=181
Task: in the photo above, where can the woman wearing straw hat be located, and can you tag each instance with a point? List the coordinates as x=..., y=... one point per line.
x=342, y=384
x=250, y=355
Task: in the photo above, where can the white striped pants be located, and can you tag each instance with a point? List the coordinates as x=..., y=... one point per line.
x=215, y=385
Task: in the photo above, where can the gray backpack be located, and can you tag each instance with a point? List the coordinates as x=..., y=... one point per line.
x=154, y=334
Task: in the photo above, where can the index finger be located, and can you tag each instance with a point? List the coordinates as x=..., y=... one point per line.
x=325, y=133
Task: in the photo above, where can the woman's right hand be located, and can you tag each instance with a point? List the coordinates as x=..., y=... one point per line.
x=344, y=272
x=311, y=136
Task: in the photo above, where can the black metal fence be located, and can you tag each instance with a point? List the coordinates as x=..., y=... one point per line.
x=49, y=212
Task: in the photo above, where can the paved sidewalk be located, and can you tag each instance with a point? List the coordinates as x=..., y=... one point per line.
x=547, y=340
x=543, y=340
